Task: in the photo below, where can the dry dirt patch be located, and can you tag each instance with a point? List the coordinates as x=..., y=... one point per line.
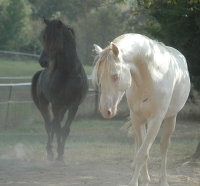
x=96, y=156
x=15, y=172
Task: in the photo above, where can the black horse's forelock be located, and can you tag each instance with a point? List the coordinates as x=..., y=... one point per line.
x=54, y=38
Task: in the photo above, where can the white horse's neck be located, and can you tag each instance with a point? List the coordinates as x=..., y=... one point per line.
x=139, y=53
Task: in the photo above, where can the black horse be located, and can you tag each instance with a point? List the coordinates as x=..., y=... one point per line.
x=63, y=84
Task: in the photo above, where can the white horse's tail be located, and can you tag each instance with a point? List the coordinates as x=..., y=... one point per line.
x=128, y=128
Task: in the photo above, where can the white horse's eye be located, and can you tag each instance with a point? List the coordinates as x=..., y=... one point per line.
x=115, y=77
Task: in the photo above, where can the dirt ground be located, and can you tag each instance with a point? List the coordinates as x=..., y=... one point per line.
x=79, y=171
x=15, y=172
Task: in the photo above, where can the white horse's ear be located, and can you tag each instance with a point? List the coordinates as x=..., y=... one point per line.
x=97, y=49
x=115, y=50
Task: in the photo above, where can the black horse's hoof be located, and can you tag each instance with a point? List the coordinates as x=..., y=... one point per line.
x=60, y=160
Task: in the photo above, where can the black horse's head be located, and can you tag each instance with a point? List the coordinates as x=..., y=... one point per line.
x=56, y=37
x=44, y=59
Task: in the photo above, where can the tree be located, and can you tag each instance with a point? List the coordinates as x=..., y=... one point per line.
x=180, y=28
x=99, y=26
x=14, y=27
x=72, y=9
x=75, y=12
x=149, y=3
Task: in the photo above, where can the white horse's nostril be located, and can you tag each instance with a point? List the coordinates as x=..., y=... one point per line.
x=109, y=112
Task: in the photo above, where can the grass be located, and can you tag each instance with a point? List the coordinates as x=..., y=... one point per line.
x=18, y=68
x=90, y=140
x=24, y=68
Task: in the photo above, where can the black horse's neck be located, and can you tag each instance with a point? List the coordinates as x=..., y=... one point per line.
x=67, y=61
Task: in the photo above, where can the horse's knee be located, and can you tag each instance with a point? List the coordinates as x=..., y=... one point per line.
x=141, y=158
x=65, y=131
x=58, y=131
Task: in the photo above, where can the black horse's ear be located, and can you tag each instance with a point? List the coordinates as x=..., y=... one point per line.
x=59, y=24
x=45, y=20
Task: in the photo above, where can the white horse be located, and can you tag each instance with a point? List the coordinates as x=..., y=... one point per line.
x=156, y=81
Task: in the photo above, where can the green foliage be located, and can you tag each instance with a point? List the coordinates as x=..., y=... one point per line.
x=180, y=29
x=98, y=27
x=21, y=24
x=194, y=1
x=72, y=9
x=13, y=24
x=148, y=3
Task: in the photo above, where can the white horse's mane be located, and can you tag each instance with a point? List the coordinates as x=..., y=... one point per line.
x=107, y=60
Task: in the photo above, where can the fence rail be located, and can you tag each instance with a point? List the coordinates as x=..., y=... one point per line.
x=12, y=85
x=24, y=77
x=19, y=53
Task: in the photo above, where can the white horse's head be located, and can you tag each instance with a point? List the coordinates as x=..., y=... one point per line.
x=113, y=76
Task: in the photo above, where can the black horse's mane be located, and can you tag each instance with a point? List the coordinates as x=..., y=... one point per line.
x=56, y=37
x=55, y=34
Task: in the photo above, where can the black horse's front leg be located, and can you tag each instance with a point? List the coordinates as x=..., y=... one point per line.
x=56, y=124
x=44, y=104
x=65, y=131
x=48, y=126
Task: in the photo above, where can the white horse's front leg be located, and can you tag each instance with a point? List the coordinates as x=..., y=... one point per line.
x=136, y=149
x=144, y=176
x=139, y=134
x=143, y=152
x=169, y=126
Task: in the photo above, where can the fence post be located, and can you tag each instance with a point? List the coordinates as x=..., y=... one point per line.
x=5, y=126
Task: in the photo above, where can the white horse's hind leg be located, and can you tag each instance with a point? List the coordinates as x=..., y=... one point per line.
x=143, y=152
x=169, y=126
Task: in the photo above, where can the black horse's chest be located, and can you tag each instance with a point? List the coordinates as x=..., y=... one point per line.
x=64, y=89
